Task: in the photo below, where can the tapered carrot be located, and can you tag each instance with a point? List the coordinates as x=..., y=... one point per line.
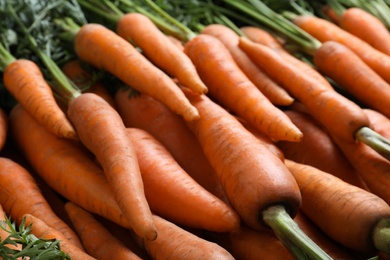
x=138, y=28
x=13, y=178
x=164, y=179
x=96, y=238
x=93, y=43
x=352, y=216
x=323, y=104
x=144, y=112
x=230, y=87
x=174, y=242
x=41, y=230
x=318, y=149
x=324, y=30
x=275, y=93
x=24, y=80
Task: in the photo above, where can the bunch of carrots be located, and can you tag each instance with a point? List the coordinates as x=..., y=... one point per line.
x=251, y=131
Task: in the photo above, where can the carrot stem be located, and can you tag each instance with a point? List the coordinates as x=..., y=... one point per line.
x=381, y=236
x=376, y=141
x=290, y=234
x=5, y=57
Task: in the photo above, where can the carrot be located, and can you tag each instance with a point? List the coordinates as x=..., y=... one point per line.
x=164, y=179
x=14, y=178
x=174, y=242
x=324, y=30
x=230, y=87
x=96, y=238
x=348, y=214
x=319, y=150
x=336, y=113
x=379, y=121
x=24, y=80
x=41, y=230
x=144, y=112
x=276, y=94
x=93, y=43
x=138, y=28
x=3, y=128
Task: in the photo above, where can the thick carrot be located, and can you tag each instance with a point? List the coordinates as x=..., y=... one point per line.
x=144, y=112
x=232, y=88
x=318, y=149
x=259, y=35
x=101, y=130
x=15, y=178
x=348, y=214
x=138, y=28
x=354, y=75
x=173, y=242
x=324, y=30
x=105, y=50
x=41, y=230
x=253, y=177
x=24, y=80
x=339, y=115
x=164, y=179
x=275, y=93
x=96, y=238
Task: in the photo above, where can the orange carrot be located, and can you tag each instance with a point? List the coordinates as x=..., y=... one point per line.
x=3, y=128
x=252, y=176
x=94, y=43
x=41, y=230
x=324, y=30
x=348, y=214
x=164, y=179
x=174, y=242
x=379, y=121
x=144, y=112
x=230, y=87
x=138, y=28
x=13, y=178
x=276, y=94
x=339, y=115
x=24, y=80
x=318, y=149
x=96, y=238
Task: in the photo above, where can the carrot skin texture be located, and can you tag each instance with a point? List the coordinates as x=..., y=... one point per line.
x=252, y=176
x=354, y=75
x=22, y=78
x=14, y=177
x=94, y=42
x=101, y=130
x=174, y=242
x=144, y=112
x=275, y=93
x=324, y=104
x=230, y=86
x=138, y=28
x=97, y=240
x=164, y=179
x=343, y=211
x=324, y=30
x=41, y=230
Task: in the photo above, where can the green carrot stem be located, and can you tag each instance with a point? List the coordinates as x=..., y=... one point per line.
x=381, y=236
x=6, y=58
x=289, y=233
x=374, y=140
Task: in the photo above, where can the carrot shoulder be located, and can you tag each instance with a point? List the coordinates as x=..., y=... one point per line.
x=104, y=49
x=232, y=88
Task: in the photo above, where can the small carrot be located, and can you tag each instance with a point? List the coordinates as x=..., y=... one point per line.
x=174, y=242
x=164, y=179
x=352, y=216
x=275, y=93
x=96, y=238
x=41, y=230
x=144, y=112
x=93, y=43
x=140, y=29
x=229, y=85
x=14, y=178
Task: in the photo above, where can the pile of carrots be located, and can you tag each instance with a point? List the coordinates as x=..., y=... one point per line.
x=224, y=145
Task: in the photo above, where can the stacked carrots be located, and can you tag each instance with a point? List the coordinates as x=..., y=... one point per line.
x=185, y=152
